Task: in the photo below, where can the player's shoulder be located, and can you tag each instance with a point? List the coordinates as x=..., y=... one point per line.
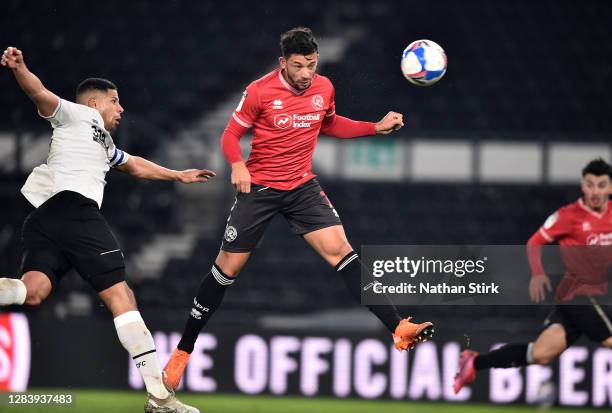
x=571, y=210
x=264, y=81
x=79, y=109
x=324, y=81
x=565, y=213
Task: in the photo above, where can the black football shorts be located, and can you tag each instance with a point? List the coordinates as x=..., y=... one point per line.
x=69, y=231
x=306, y=208
x=591, y=320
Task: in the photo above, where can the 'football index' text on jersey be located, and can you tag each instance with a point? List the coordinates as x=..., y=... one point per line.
x=284, y=120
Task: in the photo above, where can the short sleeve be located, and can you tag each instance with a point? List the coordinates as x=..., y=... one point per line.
x=116, y=157
x=248, y=108
x=331, y=111
x=65, y=113
x=556, y=226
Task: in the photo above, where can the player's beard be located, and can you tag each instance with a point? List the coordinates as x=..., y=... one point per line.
x=297, y=83
x=596, y=203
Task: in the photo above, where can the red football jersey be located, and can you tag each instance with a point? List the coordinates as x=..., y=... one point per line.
x=577, y=224
x=585, y=239
x=286, y=123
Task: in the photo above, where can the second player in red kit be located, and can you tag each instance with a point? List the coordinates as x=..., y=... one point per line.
x=287, y=110
x=583, y=230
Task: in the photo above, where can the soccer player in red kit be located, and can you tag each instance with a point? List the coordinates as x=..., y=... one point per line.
x=286, y=109
x=588, y=221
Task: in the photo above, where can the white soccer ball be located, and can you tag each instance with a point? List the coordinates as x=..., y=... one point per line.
x=423, y=62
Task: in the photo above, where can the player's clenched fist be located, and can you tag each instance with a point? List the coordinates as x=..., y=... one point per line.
x=241, y=178
x=392, y=121
x=12, y=58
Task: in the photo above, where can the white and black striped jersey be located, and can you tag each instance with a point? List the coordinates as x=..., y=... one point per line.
x=80, y=154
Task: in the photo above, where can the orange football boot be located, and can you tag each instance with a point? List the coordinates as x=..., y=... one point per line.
x=175, y=368
x=408, y=334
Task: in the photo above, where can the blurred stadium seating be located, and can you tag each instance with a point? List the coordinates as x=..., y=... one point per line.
x=517, y=70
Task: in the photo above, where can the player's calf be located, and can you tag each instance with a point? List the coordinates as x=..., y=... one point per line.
x=543, y=356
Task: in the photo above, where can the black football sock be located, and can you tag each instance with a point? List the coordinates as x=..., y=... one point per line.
x=510, y=355
x=350, y=269
x=207, y=300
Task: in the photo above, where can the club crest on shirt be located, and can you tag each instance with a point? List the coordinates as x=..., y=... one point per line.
x=317, y=102
x=230, y=233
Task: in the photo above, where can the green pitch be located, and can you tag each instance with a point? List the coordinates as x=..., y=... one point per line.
x=98, y=401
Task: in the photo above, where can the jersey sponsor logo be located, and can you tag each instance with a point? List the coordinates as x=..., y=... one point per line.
x=551, y=220
x=599, y=239
x=282, y=121
x=305, y=121
x=277, y=104
x=317, y=102
x=230, y=233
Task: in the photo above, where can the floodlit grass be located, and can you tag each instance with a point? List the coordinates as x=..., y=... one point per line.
x=102, y=401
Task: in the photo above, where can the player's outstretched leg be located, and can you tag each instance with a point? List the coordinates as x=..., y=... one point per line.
x=405, y=333
x=547, y=347
x=205, y=303
x=510, y=355
x=137, y=340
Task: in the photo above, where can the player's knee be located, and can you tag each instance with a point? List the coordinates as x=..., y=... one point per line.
x=35, y=297
x=231, y=263
x=230, y=271
x=338, y=252
x=38, y=287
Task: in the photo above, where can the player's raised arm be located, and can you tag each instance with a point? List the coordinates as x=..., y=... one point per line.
x=391, y=122
x=345, y=128
x=45, y=101
x=145, y=169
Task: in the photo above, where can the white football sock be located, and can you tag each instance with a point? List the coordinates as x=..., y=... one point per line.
x=12, y=291
x=137, y=340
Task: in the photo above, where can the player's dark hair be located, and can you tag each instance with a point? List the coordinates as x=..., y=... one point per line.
x=597, y=167
x=298, y=40
x=94, y=83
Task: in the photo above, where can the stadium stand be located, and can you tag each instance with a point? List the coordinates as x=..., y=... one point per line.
x=171, y=68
